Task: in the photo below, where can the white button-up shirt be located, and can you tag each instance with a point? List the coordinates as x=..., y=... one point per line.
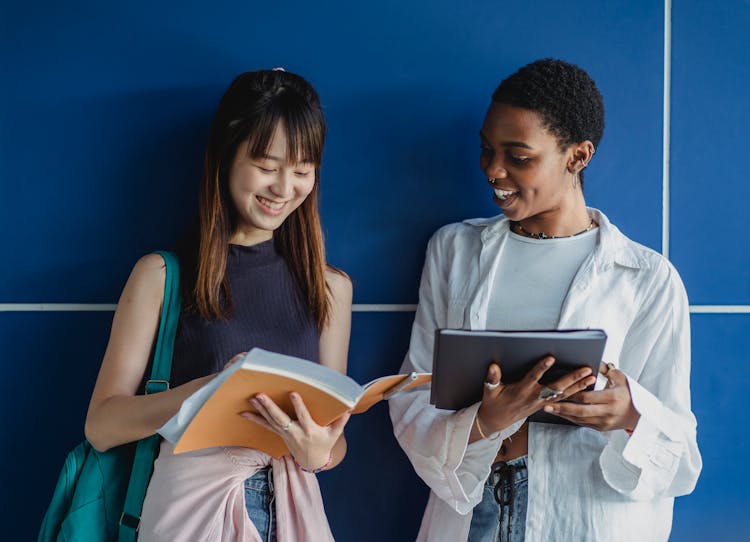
x=584, y=485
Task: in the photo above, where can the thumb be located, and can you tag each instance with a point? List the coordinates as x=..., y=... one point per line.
x=235, y=359
x=492, y=380
x=337, y=425
x=494, y=373
x=610, y=372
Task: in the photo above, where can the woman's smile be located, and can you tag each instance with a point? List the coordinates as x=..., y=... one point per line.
x=504, y=194
x=271, y=207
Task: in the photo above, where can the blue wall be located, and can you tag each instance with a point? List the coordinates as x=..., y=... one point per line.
x=104, y=111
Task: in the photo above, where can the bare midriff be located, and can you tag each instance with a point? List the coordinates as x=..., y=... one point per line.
x=514, y=446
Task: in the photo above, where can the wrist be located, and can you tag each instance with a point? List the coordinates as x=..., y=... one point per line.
x=325, y=466
x=632, y=422
x=483, y=429
x=632, y=419
x=491, y=424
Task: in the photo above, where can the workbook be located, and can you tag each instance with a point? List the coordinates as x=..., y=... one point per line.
x=461, y=359
x=211, y=416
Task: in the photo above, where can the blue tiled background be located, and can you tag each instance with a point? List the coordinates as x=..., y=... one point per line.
x=104, y=111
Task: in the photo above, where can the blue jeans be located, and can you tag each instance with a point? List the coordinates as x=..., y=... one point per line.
x=501, y=516
x=259, y=501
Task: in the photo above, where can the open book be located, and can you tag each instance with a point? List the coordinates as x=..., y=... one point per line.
x=210, y=417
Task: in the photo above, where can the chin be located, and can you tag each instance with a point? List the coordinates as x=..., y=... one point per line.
x=511, y=214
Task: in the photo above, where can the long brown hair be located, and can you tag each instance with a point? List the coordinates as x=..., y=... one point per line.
x=247, y=117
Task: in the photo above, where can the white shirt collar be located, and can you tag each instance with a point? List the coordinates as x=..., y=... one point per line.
x=612, y=246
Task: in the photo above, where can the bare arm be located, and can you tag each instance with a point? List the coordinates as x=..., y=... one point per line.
x=116, y=415
x=334, y=340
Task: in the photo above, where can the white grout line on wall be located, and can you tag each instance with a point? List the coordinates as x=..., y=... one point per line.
x=667, y=127
x=57, y=307
x=108, y=307
x=383, y=308
x=365, y=307
x=720, y=309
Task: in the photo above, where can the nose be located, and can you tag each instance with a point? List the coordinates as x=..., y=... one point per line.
x=492, y=164
x=495, y=170
x=283, y=187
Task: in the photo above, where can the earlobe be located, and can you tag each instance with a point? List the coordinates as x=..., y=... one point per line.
x=576, y=165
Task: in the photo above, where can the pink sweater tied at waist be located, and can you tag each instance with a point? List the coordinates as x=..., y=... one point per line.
x=200, y=496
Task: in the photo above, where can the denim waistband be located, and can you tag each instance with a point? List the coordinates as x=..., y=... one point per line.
x=505, y=475
x=261, y=481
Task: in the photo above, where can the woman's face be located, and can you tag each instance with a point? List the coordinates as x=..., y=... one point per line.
x=265, y=191
x=531, y=173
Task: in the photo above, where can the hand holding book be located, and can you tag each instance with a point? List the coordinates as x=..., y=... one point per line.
x=504, y=404
x=604, y=410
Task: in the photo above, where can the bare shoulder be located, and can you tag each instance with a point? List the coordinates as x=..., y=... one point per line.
x=146, y=279
x=339, y=284
x=150, y=264
x=149, y=267
x=134, y=328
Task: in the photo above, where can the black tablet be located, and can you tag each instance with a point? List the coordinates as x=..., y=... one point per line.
x=462, y=357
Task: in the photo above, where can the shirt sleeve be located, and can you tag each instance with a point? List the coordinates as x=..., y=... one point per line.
x=436, y=441
x=661, y=457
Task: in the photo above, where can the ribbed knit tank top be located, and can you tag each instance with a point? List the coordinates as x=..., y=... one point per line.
x=269, y=312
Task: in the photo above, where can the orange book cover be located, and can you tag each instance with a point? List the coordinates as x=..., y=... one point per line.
x=211, y=417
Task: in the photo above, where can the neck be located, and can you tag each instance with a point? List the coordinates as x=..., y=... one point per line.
x=250, y=237
x=558, y=222
x=520, y=230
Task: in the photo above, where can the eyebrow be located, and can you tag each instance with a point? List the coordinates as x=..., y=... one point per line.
x=509, y=143
x=271, y=157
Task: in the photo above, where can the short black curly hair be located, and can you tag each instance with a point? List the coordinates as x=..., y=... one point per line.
x=564, y=95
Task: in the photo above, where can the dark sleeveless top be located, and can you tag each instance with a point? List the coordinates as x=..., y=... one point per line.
x=269, y=312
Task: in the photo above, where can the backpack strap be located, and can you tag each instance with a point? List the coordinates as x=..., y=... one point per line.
x=161, y=371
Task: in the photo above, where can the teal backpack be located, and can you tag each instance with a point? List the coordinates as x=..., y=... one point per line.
x=99, y=495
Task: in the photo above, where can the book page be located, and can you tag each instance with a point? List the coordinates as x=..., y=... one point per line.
x=378, y=388
x=335, y=383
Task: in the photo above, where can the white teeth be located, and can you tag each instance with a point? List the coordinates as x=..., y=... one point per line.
x=502, y=194
x=272, y=204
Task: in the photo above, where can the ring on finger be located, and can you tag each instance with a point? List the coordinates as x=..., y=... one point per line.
x=610, y=367
x=549, y=394
x=491, y=385
x=286, y=427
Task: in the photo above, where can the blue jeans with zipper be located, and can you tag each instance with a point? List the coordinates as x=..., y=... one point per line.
x=259, y=501
x=501, y=516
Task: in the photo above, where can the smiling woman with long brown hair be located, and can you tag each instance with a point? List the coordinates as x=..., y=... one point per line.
x=552, y=262
x=254, y=275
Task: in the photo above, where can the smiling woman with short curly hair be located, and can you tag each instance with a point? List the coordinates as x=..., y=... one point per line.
x=551, y=262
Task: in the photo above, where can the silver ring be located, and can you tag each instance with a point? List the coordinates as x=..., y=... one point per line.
x=490, y=386
x=548, y=394
x=610, y=366
x=286, y=427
